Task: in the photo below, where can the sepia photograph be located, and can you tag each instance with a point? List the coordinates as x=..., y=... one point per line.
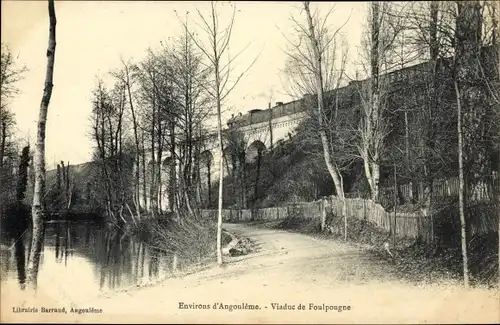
x=250, y=162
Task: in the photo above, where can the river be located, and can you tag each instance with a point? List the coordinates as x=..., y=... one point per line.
x=83, y=260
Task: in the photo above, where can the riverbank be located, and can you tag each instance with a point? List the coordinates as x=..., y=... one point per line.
x=233, y=244
x=84, y=262
x=191, y=240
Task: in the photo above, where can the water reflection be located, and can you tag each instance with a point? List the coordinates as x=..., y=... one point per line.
x=20, y=258
x=82, y=260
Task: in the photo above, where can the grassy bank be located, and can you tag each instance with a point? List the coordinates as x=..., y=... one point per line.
x=414, y=262
x=193, y=241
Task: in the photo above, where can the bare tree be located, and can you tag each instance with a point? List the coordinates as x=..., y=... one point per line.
x=472, y=108
x=114, y=164
x=315, y=68
x=220, y=87
x=382, y=31
x=10, y=74
x=461, y=192
x=458, y=38
x=125, y=76
x=39, y=156
x=193, y=108
x=148, y=80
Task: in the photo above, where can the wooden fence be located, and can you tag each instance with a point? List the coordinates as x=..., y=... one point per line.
x=486, y=190
x=409, y=225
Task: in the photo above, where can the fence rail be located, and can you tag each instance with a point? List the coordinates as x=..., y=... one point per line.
x=484, y=190
x=407, y=224
x=403, y=224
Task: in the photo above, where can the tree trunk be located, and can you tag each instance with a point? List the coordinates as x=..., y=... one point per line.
x=498, y=119
x=179, y=191
x=463, y=234
x=221, y=173
x=375, y=169
x=137, y=196
x=39, y=156
x=372, y=173
x=429, y=143
x=475, y=150
x=3, y=142
x=144, y=183
x=152, y=164
x=219, y=134
x=257, y=176
x=332, y=169
x=374, y=118
x=344, y=209
x=407, y=153
x=198, y=170
x=159, y=168
x=209, y=181
x=243, y=183
x=172, y=173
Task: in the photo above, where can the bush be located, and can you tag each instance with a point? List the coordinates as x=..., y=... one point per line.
x=192, y=240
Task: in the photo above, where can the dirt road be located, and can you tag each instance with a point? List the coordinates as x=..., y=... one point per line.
x=296, y=270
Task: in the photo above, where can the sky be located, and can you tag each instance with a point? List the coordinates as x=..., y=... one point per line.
x=93, y=35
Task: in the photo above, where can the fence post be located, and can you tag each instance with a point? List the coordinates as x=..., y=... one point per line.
x=277, y=213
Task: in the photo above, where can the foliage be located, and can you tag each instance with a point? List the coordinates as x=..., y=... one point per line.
x=23, y=174
x=15, y=216
x=192, y=240
x=10, y=75
x=289, y=173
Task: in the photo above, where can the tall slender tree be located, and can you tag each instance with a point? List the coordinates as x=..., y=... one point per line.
x=316, y=67
x=382, y=31
x=126, y=76
x=216, y=49
x=39, y=156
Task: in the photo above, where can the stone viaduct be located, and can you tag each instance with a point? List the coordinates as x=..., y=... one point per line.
x=262, y=129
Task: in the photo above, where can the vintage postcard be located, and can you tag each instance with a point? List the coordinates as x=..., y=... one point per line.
x=250, y=162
